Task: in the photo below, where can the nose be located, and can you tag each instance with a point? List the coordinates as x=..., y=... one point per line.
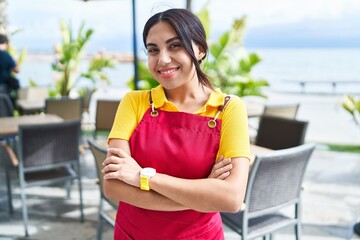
x=164, y=58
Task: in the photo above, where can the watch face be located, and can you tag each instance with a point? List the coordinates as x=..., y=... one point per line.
x=149, y=172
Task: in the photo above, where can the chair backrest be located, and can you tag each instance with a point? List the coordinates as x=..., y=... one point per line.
x=6, y=106
x=105, y=114
x=46, y=146
x=282, y=110
x=99, y=152
x=33, y=93
x=275, y=180
x=280, y=133
x=65, y=107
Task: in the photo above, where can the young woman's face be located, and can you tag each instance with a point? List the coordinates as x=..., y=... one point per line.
x=168, y=61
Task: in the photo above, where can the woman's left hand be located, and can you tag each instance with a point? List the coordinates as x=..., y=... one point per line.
x=120, y=165
x=221, y=168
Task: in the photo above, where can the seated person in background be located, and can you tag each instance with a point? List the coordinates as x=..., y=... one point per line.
x=7, y=66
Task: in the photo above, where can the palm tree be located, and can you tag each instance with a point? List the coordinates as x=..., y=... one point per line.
x=3, y=17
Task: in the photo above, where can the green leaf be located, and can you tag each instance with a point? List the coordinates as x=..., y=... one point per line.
x=204, y=17
x=254, y=59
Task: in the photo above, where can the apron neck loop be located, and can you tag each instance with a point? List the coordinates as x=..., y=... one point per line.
x=212, y=123
x=154, y=112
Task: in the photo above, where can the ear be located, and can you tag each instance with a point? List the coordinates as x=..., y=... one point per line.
x=201, y=54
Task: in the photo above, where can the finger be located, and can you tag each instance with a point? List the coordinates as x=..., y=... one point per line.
x=117, y=151
x=223, y=169
x=224, y=175
x=220, y=158
x=111, y=175
x=111, y=168
x=110, y=160
x=222, y=163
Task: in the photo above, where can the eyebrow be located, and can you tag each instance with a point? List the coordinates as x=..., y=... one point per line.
x=167, y=41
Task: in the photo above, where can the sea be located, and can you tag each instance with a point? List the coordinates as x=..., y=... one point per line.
x=299, y=70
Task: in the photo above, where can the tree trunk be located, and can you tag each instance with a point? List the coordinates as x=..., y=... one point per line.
x=3, y=17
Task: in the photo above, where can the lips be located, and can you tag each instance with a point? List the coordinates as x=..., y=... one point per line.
x=168, y=72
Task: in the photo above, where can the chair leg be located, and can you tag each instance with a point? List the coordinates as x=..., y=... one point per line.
x=24, y=211
x=298, y=231
x=80, y=196
x=7, y=170
x=8, y=188
x=100, y=228
x=68, y=189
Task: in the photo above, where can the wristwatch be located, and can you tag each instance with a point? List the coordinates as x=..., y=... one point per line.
x=145, y=175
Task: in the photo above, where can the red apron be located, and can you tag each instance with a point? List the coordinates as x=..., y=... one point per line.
x=180, y=145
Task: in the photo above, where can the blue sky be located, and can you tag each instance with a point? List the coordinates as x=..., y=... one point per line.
x=277, y=23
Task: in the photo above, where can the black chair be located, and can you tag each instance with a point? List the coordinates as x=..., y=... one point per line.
x=283, y=110
x=6, y=106
x=274, y=186
x=7, y=143
x=105, y=114
x=107, y=214
x=48, y=154
x=280, y=133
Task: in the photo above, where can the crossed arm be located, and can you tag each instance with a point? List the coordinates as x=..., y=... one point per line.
x=223, y=190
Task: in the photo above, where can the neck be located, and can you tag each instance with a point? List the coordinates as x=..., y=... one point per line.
x=189, y=98
x=3, y=46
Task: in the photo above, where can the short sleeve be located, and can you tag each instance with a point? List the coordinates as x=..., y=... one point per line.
x=234, y=140
x=129, y=113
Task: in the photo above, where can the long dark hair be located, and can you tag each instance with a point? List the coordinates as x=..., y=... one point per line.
x=189, y=28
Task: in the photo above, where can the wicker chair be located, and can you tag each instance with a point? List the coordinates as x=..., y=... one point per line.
x=48, y=154
x=274, y=185
x=105, y=114
x=107, y=214
x=65, y=107
x=282, y=110
x=288, y=111
x=280, y=133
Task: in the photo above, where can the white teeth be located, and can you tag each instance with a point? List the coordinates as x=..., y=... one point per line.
x=168, y=71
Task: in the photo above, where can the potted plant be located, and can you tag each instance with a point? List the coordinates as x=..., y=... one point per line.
x=68, y=57
x=229, y=64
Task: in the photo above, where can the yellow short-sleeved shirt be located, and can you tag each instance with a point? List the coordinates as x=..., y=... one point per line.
x=234, y=140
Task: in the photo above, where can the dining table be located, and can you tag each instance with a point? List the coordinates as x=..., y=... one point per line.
x=9, y=126
x=255, y=149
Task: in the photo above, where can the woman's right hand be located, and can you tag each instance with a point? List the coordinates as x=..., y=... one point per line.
x=221, y=168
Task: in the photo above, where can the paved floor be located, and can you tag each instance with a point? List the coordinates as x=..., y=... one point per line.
x=331, y=195
x=331, y=204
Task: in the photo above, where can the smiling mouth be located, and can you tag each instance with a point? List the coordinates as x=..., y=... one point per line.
x=168, y=71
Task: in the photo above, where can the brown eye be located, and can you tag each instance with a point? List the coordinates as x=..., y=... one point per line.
x=152, y=51
x=175, y=45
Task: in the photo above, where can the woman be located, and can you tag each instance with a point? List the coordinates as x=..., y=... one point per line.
x=164, y=143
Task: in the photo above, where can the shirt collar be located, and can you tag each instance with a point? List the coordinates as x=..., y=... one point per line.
x=159, y=98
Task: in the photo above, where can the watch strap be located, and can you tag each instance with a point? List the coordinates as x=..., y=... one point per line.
x=144, y=183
